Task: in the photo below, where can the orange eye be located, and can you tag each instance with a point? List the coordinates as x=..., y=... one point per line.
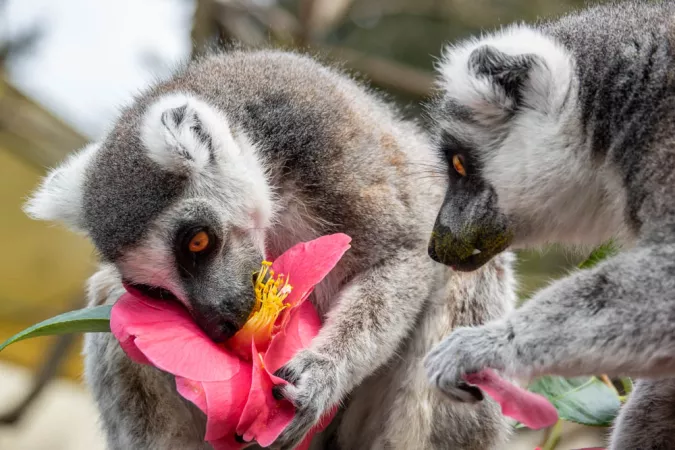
x=458, y=165
x=199, y=242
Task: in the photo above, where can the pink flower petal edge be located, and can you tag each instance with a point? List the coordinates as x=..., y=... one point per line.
x=263, y=417
x=308, y=263
x=532, y=410
x=164, y=335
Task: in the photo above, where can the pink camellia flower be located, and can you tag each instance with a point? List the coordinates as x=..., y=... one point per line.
x=532, y=410
x=232, y=382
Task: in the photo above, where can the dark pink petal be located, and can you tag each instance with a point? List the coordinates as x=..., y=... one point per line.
x=128, y=344
x=264, y=417
x=308, y=263
x=302, y=325
x=531, y=409
x=168, y=338
x=224, y=402
x=192, y=391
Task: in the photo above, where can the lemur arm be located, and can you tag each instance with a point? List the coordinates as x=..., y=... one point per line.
x=618, y=318
x=371, y=317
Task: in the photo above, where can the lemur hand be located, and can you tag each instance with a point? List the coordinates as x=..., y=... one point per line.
x=466, y=350
x=313, y=384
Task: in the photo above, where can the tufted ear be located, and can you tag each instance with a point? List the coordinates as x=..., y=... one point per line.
x=184, y=134
x=59, y=196
x=509, y=74
x=500, y=73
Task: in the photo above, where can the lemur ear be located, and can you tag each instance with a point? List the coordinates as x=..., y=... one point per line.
x=184, y=134
x=510, y=73
x=59, y=196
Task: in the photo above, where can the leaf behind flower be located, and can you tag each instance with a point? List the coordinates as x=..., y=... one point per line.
x=86, y=320
x=583, y=400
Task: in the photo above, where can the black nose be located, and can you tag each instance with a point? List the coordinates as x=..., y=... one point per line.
x=218, y=325
x=220, y=332
x=432, y=251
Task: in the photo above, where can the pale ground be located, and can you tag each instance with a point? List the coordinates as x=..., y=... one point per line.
x=64, y=418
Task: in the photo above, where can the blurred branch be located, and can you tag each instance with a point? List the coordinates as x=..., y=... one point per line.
x=281, y=24
x=287, y=29
x=30, y=132
x=319, y=17
x=203, y=27
x=19, y=45
x=55, y=358
x=385, y=72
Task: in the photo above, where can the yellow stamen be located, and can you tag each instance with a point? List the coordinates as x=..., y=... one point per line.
x=270, y=293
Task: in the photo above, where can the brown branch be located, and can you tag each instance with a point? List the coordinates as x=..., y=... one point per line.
x=31, y=133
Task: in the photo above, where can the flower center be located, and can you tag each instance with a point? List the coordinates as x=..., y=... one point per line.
x=270, y=293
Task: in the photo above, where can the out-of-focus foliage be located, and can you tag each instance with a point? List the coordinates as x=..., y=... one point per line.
x=583, y=400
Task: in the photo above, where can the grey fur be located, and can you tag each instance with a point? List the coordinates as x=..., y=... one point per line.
x=336, y=159
x=583, y=153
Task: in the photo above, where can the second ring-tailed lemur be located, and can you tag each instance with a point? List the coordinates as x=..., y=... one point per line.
x=261, y=150
x=564, y=132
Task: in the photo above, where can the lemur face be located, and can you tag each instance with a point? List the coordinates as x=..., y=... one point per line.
x=177, y=201
x=498, y=125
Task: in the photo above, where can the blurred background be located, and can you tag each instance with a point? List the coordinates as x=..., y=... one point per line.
x=67, y=66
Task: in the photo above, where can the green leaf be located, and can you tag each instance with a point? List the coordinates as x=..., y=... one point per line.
x=96, y=319
x=601, y=253
x=584, y=400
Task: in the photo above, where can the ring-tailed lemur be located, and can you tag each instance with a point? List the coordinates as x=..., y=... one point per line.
x=260, y=150
x=564, y=132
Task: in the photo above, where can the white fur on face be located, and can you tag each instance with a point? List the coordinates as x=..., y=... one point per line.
x=59, y=197
x=153, y=263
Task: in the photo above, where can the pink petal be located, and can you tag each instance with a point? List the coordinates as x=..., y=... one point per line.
x=192, y=391
x=222, y=402
x=225, y=401
x=264, y=417
x=128, y=344
x=303, y=324
x=531, y=409
x=164, y=335
x=308, y=263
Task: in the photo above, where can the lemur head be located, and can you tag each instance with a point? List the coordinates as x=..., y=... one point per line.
x=507, y=123
x=177, y=200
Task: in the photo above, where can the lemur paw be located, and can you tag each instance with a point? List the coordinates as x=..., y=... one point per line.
x=313, y=383
x=466, y=350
